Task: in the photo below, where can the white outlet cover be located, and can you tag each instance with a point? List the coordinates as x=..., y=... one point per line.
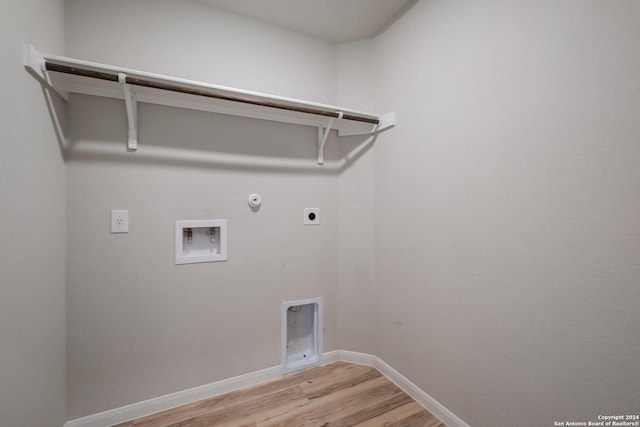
x=311, y=216
x=119, y=221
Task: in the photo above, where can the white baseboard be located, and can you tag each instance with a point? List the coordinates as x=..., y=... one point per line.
x=168, y=401
x=162, y=403
x=357, y=358
x=419, y=395
x=330, y=357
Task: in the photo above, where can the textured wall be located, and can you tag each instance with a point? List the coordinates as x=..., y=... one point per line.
x=508, y=207
x=187, y=39
x=357, y=294
x=138, y=325
x=32, y=224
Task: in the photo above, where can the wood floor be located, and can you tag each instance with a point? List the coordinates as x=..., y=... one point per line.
x=339, y=394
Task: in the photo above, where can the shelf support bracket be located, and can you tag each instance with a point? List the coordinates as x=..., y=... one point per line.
x=35, y=64
x=323, y=134
x=132, y=112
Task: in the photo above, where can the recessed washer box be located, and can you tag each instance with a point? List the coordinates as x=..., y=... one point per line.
x=201, y=241
x=301, y=334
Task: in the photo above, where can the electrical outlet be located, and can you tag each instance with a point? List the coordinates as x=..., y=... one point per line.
x=119, y=221
x=311, y=216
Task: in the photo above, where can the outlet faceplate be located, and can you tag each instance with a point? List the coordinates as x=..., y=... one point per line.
x=119, y=221
x=311, y=216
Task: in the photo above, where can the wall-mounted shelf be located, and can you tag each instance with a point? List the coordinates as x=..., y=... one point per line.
x=67, y=75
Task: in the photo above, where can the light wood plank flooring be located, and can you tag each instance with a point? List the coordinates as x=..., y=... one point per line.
x=339, y=394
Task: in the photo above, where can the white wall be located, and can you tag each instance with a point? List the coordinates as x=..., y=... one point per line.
x=509, y=280
x=138, y=325
x=32, y=248
x=357, y=298
x=183, y=38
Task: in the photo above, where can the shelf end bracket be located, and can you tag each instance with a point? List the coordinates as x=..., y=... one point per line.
x=132, y=112
x=35, y=64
